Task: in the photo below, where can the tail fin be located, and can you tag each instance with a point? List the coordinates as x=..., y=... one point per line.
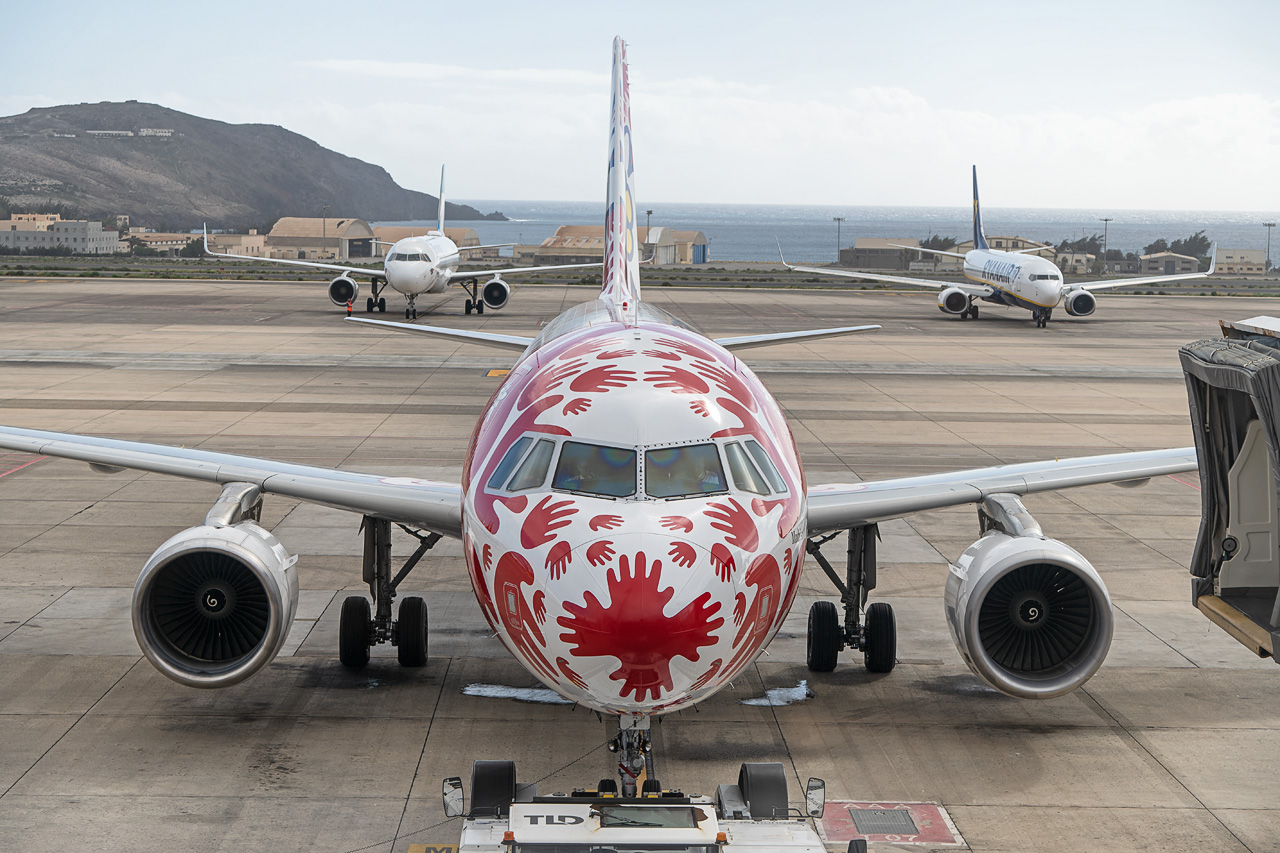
x=621, y=241
x=440, y=204
x=979, y=238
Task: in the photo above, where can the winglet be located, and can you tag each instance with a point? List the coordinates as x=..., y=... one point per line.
x=1213, y=259
x=207, y=250
x=440, y=204
x=979, y=238
x=784, y=260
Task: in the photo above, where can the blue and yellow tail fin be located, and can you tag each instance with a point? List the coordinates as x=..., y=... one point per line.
x=979, y=238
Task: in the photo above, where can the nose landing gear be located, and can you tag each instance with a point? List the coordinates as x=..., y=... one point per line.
x=1042, y=317
x=411, y=310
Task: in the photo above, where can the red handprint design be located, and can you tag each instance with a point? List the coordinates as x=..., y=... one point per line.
x=708, y=675
x=547, y=379
x=519, y=620
x=615, y=354
x=734, y=521
x=600, y=552
x=676, y=522
x=488, y=557
x=663, y=354
x=601, y=378
x=685, y=347
x=758, y=619
x=605, y=522
x=762, y=507
x=683, y=554
x=722, y=559
x=729, y=382
x=540, y=606
x=558, y=559
x=576, y=406
x=701, y=407
x=677, y=378
x=546, y=516
x=568, y=673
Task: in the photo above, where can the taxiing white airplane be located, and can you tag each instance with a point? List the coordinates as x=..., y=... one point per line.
x=1013, y=278
x=414, y=266
x=634, y=517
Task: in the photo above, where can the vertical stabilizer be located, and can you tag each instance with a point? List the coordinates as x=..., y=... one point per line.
x=440, y=204
x=979, y=237
x=621, y=240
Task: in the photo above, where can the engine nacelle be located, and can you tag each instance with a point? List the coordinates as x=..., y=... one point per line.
x=496, y=293
x=953, y=300
x=1080, y=303
x=213, y=605
x=343, y=290
x=1029, y=615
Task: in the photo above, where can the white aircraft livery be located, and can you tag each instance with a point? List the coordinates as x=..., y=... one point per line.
x=414, y=266
x=634, y=516
x=1008, y=278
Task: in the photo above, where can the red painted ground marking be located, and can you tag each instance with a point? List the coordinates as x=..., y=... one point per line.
x=1184, y=482
x=23, y=465
x=933, y=824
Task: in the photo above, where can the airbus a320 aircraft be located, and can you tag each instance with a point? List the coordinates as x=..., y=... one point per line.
x=634, y=517
x=1008, y=278
x=415, y=266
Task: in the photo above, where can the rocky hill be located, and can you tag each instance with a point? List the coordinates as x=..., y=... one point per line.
x=175, y=170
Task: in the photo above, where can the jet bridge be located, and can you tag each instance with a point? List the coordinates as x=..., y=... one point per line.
x=1233, y=389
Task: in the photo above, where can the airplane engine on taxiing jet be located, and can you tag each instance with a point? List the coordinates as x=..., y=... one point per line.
x=953, y=300
x=214, y=604
x=1080, y=303
x=1029, y=614
x=496, y=293
x=343, y=290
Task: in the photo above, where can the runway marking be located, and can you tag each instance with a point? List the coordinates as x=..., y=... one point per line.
x=495, y=373
x=23, y=465
x=1184, y=482
x=895, y=823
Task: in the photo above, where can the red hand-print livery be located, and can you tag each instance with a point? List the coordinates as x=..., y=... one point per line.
x=661, y=592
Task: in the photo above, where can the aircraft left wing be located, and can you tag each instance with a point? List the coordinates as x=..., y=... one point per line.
x=749, y=341
x=1158, y=279
x=458, y=276
x=967, y=287
x=431, y=505
x=485, y=339
x=838, y=507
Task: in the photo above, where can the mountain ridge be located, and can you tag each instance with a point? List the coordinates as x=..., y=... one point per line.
x=228, y=175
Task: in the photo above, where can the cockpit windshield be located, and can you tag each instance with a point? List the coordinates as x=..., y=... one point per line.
x=596, y=470
x=409, y=256
x=677, y=472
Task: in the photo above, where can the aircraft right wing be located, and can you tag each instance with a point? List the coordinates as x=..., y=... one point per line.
x=427, y=504
x=315, y=265
x=485, y=339
x=458, y=276
x=968, y=287
x=841, y=506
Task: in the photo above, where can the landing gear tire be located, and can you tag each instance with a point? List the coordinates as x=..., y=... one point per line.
x=857, y=845
x=368, y=305
x=822, y=649
x=880, y=649
x=764, y=787
x=493, y=787
x=406, y=313
x=353, y=632
x=468, y=306
x=382, y=304
x=411, y=632
x=479, y=307
x=973, y=311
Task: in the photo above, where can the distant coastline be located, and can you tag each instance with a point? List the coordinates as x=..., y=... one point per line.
x=746, y=232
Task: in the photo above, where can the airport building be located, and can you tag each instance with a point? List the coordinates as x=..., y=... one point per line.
x=1074, y=263
x=1168, y=263
x=253, y=244
x=885, y=253
x=49, y=231
x=1241, y=262
x=168, y=243
x=584, y=244
x=300, y=238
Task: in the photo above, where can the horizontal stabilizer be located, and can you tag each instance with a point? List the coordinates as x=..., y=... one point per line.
x=484, y=339
x=749, y=341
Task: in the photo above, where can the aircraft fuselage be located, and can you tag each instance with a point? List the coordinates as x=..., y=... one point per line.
x=417, y=265
x=1022, y=280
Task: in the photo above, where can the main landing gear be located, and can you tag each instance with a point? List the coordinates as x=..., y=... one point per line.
x=877, y=637
x=971, y=311
x=376, y=302
x=359, y=628
x=472, y=286
x=1042, y=317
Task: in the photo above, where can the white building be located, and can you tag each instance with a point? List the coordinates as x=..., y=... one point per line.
x=83, y=237
x=1241, y=262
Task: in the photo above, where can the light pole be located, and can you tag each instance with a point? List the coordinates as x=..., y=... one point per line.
x=1105, y=221
x=1269, y=226
x=837, y=220
x=324, y=231
x=647, y=214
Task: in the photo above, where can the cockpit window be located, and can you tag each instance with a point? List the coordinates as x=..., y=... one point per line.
x=534, y=469
x=508, y=463
x=596, y=470
x=677, y=472
x=408, y=256
x=766, y=465
x=745, y=475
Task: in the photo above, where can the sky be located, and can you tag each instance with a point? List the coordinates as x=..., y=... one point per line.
x=1124, y=105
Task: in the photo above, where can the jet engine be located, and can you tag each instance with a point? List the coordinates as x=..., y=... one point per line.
x=1029, y=614
x=343, y=290
x=953, y=300
x=496, y=293
x=1080, y=303
x=214, y=604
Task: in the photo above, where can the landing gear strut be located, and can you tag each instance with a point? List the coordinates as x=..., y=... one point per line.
x=376, y=302
x=472, y=287
x=877, y=637
x=1042, y=318
x=411, y=310
x=635, y=756
x=359, y=628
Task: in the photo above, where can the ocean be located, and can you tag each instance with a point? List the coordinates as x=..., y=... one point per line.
x=746, y=232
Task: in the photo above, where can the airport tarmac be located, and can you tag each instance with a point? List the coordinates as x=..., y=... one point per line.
x=1172, y=746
